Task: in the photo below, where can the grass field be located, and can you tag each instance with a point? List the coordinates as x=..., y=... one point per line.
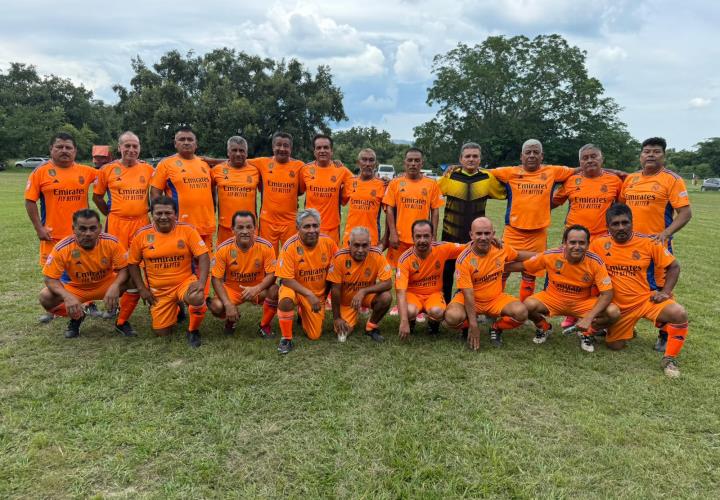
x=105, y=416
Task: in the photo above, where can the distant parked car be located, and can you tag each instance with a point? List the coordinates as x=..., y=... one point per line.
x=2, y=166
x=386, y=171
x=31, y=162
x=710, y=185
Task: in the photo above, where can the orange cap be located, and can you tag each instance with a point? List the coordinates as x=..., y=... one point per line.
x=101, y=151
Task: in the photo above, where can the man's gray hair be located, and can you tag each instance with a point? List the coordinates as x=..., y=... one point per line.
x=123, y=137
x=236, y=139
x=589, y=147
x=304, y=214
x=532, y=142
x=470, y=145
x=358, y=231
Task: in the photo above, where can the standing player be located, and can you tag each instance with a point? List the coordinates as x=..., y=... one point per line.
x=654, y=195
x=466, y=188
x=244, y=271
x=360, y=277
x=236, y=182
x=629, y=257
x=364, y=193
x=410, y=198
x=418, y=283
x=126, y=182
x=303, y=267
x=282, y=183
x=62, y=187
x=88, y=265
x=480, y=289
x=101, y=156
x=572, y=273
x=167, y=248
x=324, y=180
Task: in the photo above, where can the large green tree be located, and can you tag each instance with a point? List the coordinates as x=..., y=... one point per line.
x=508, y=89
x=223, y=93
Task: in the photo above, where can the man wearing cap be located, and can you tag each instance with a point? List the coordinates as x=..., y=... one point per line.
x=101, y=156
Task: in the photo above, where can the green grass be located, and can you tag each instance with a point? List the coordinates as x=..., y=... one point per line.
x=106, y=416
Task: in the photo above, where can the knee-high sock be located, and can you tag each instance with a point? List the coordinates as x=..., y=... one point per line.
x=59, y=310
x=676, y=339
x=128, y=303
x=527, y=286
x=269, y=311
x=197, y=315
x=543, y=325
x=285, y=318
x=506, y=323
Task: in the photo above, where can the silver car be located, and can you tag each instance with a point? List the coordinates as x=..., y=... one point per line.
x=31, y=162
x=710, y=185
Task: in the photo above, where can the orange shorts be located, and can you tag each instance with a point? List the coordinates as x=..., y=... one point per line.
x=45, y=248
x=492, y=307
x=224, y=234
x=235, y=296
x=623, y=328
x=276, y=234
x=124, y=228
x=311, y=321
x=350, y=314
x=562, y=306
x=393, y=255
x=425, y=302
x=534, y=240
x=97, y=292
x=334, y=234
x=164, y=311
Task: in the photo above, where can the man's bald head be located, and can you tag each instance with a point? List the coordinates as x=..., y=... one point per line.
x=482, y=234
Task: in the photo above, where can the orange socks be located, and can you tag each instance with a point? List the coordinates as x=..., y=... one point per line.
x=505, y=323
x=128, y=303
x=543, y=325
x=370, y=326
x=285, y=318
x=676, y=339
x=527, y=286
x=269, y=311
x=197, y=315
x=60, y=310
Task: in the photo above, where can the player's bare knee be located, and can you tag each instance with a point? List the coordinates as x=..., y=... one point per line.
x=382, y=300
x=518, y=312
x=436, y=313
x=532, y=305
x=412, y=312
x=613, y=313
x=454, y=317
x=194, y=300
x=616, y=345
x=286, y=305
x=677, y=314
x=216, y=307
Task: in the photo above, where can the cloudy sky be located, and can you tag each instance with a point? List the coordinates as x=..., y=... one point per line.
x=657, y=58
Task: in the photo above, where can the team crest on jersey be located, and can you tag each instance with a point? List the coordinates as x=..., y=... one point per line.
x=498, y=263
x=367, y=272
x=300, y=250
x=178, y=163
x=52, y=172
x=437, y=265
x=181, y=244
x=292, y=174
x=257, y=263
x=81, y=179
x=402, y=184
x=636, y=255
x=578, y=181
x=603, y=188
x=333, y=178
x=348, y=264
x=323, y=258
x=558, y=264
x=607, y=245
x=117, y=170
x=233, y=254
x=634, y=180
x=543, y=176
x=656, y=187
x=150, y=238
x=104, y=261
x=312, y=171
x=249, y=179
x=587, y=278
x=225, y=171
x=142, y=179
x=424, y=192
x=415, y=265
x=473, y=262
x=354, y=184
x=373, y=193
x=75, y=254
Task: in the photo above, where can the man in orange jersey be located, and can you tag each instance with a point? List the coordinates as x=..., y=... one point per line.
x=282, y=183
x=360, y=277
x=418, y=282
x=364, y=193
x=324, y=180
x=572, y=272
x=629, y=257
x=62, y=187
x=167, y=248
x=186, y=178
x=303, y=267
x=244, y=271
x=236, y=183
x=479, y=274
x=126, y=183
x=101, y=156
x=410, y=198
x=87, y=265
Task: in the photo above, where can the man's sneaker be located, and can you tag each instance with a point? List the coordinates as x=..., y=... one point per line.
x=193, y=338
x=670, y=367
x=601, y=333
x=568, y=322
x=182, y=312
x=46, y=318
x=661, y=341
x=587, y=343
x=73, y=328
x=433, y=327
x=420, y=318
x=126, y=330
x=229, y=328
x=495, y=337
x=92, y=310
x=541, y=335
x=285, y=346
x=266, y=332
x=342, y=337
x=375, y=335
x=394, y=311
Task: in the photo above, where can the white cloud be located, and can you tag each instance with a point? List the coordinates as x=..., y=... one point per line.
x=410, y=66
x=699, y=102
x=611, y=54
x=382, y=103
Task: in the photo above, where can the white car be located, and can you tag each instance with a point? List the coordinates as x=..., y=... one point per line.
x=31, y=162
x=385, y=171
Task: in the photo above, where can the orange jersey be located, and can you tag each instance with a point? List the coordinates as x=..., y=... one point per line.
x=236, y=190
x=307, y=266
x=281, y=184
x=323, y=190
x=189, y=183
x=630, y=264
x=424, y=276
x=483, y=273
x=86, y=269
x=652, y=199
x=411, y=200
x=126, y=187
x=62, y=192
x=167, y=256
x=364, y=203
x=529, y=194
x=567, y=280
x=243, y=268
x=589, y=198
x=353, y=275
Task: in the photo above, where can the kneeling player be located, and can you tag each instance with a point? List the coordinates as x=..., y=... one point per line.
x=628, y=257
x=89, y=265
x=303, y=267
x=167, y=248
x=572, y=272
x=360, y=277
x=479, y=275
x=244, y=271
x=418, y=283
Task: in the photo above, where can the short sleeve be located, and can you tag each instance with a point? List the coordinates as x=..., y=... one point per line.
x=197, y=244
x=561, y=173
x=119, y=257
x=535, y=264
x=218, y=263
x=437, y=200
x=270, y=260
x=32, y=188
x=496, y=190
x=511, y=255
x=463, y=274
x=100, y=187
x=135, y=252
x=55, y=265
x=389, y=198
x=560, y=196
x=286, y=265
x=385, y=272
x=602, y=279
x=661, y=255
x=159, y=177
x=402, y=275
x=335, y=272
x=678, y=194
